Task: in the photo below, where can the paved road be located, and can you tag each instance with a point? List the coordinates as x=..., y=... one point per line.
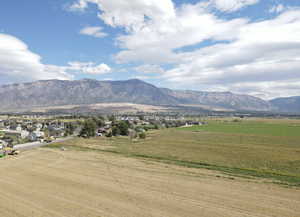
x=32, y=145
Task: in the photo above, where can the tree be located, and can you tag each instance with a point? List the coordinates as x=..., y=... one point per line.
x=142, y=135
x=88, y=129
x=99, y=121
x=115, y=131
x=70, y=128
x=123, y=127
x=112, y=118
x=141, y=117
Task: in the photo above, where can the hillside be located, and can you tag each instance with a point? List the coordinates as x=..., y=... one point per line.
x=88, y=91
x=288, y=104
x=226, y=100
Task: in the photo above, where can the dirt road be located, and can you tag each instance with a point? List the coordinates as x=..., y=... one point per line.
x=51, y=183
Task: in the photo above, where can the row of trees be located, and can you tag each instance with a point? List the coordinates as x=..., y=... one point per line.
x=120, y=128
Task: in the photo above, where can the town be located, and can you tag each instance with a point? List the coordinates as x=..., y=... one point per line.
x=22, y=129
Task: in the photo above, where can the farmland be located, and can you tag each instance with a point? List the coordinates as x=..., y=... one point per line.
x=212, y=170
x=54, y=183
x=278, y=128
x=267, y=149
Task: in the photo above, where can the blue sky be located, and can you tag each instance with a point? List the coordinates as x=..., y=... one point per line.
x=244, y=46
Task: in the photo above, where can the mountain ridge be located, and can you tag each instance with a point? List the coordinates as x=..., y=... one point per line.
x=287, y=104
x=90, y=91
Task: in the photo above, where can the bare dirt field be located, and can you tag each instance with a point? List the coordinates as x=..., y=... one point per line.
x=109, y=107
x=50, y=182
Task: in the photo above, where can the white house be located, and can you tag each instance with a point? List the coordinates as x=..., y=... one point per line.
x=24, y=134
x=19, y=128
x=39, y=126
x=39, y=134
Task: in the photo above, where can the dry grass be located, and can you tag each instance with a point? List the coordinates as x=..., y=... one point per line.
x=260, y=155
x=54, y=183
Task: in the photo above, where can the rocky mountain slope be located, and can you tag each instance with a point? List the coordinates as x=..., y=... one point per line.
x=226, y=100
x=288, y=104
x=87, y=91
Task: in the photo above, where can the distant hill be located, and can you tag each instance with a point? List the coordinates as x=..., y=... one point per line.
x=288, y=104
x=88, y=91
x=226, y=100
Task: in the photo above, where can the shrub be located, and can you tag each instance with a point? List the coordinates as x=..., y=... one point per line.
x=88, y=129
x=123, y=128
x=116, y=131
x=142, y=135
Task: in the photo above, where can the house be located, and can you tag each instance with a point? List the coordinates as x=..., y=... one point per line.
x=13, y=126
x=19, y=128
x=7, y=141
x=24, y=134
x=101, y=131
x=2, y=124
x=2, y=143
x=39, y=126
x=39, y=134
x=32, y=136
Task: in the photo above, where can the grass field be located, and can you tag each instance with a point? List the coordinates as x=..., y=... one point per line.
x=267, y=127
x=160, y=176
x=255, y=149
x=54, y=183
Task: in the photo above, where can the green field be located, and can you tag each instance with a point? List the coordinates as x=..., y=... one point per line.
x=254, y=149
x=282, y=129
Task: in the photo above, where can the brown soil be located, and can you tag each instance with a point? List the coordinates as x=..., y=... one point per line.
x=51, y=183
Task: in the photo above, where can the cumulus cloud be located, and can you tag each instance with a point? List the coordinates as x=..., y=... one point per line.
x=191, y=25
x=231, y=5
x=95, y=31
x=89, y=68
x=224, y=54
x=19, y=64
x=263, y=52
x=130, y=14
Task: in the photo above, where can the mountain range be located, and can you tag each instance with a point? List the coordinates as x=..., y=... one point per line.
x=88, y=91
x=287, y=104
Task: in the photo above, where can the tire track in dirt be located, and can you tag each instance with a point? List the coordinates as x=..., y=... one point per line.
x=207, y=197
x=42, y=169
x=116, y=186
x=180, y=196
x=57, y=162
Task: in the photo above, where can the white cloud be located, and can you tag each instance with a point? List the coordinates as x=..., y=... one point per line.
x=149, y=69
x=224, y=54
x=130, y=14
x=191, y=25
x=18, y=63
x=277, y=8
x=89, y=68
x=142, y=77
x=231, y=5
x=95, y=31
x=79, y=5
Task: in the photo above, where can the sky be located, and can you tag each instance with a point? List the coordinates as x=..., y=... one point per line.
x=243, y=46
